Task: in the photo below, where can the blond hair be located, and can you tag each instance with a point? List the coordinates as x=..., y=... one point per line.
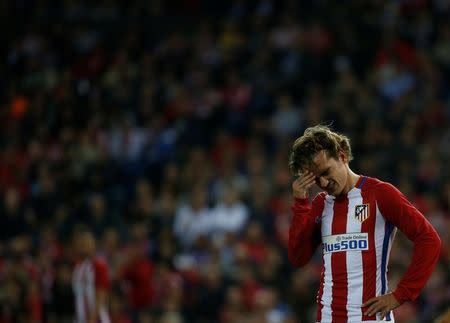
x=314, y=140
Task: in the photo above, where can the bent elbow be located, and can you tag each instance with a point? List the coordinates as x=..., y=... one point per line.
x=438, y=242
x=436, y=239
x=435, y=244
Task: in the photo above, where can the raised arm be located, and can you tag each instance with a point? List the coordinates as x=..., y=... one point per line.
x=304, y=232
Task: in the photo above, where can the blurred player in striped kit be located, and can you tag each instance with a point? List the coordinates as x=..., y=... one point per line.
x=90, y=281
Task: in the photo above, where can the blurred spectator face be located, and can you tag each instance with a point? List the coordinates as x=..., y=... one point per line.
x=97, y=206
x=234, y=297
x=139, y=233
x=11, y=200
x=198, y=198
x=331, y=174
x=45, y=180
x=256, y=164
x=265, y=299
x=145, y=317
x=137, y=249
x=167, y=203
x=171, y=173
x=212, y=276
x=47, y=236
x=286, y=120
x=143, y=188
x=254, y=231
x=259, y=187
x=230, y=196
x=144, y=196
x=170, y=317
x=110, y=240
x=20, y=246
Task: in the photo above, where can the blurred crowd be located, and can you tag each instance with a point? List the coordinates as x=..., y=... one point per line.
x=165, y=128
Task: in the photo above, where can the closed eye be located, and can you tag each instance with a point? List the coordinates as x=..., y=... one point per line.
x=325, y=173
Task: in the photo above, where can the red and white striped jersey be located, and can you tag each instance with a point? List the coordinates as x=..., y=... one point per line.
x=356, y=231
x=88, y=276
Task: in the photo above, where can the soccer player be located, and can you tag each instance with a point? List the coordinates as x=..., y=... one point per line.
x=90, y=282
x=355, y=219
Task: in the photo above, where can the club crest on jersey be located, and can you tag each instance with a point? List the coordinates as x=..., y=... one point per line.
x=362, y=212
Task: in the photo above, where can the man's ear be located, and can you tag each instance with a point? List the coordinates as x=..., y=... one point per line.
x=343, y=156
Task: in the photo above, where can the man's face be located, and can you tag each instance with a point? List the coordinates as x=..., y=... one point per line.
x=331, y=173
x=86, y=244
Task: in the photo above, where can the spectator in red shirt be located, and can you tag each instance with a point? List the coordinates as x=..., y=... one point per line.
x=254, y=245
x=137, y=274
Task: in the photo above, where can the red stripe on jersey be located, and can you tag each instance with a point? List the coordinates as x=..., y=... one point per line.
x=339, y=263
x=369, y=257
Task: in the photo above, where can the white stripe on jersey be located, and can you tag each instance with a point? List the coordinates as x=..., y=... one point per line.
x=378, y=237
x=83, y=286
x=327, y=221
x=354, y=261
x=380, y=232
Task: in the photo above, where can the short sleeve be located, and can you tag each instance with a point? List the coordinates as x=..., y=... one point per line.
x=102, y=280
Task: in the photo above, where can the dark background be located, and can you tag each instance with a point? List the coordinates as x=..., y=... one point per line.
x=165, y=128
